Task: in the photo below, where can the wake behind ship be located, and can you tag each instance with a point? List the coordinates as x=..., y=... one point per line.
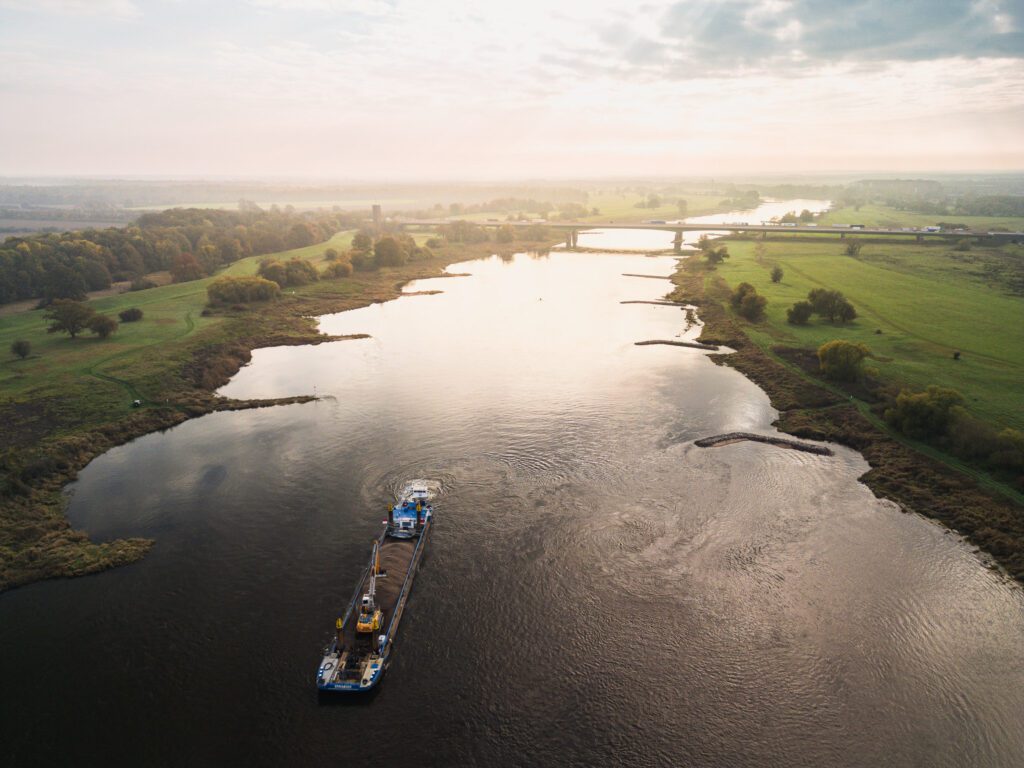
x=356, y=659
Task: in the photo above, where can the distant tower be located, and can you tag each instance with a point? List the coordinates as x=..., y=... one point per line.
x=376, y=218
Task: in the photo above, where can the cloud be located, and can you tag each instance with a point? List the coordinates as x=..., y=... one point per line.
x=115, y=8
x=360, y=7
x=700, y=38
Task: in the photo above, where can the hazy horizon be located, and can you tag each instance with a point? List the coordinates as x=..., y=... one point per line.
x=361, y=91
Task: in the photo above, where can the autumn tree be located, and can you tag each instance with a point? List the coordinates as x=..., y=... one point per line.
x=389, y=253
x=66, y=316
x=185, y=267
x=102, y=325
x=924, y=415
x=842, y=360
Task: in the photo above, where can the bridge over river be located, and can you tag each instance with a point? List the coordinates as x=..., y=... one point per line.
x=573, y=228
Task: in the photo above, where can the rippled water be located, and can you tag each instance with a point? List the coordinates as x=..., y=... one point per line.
x=597, y=590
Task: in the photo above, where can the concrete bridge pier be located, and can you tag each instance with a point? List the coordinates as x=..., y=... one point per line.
x=570, y=238
x=677, y=243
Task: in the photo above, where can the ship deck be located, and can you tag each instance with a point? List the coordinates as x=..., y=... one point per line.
x=395, y=558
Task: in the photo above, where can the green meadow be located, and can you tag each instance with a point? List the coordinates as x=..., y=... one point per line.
x=917, y=305
x=884, y=216
x=102, y=376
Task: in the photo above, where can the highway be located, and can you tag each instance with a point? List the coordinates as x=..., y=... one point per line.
x=764, y=229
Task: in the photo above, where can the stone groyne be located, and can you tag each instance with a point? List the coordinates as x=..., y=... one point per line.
x=781, y=442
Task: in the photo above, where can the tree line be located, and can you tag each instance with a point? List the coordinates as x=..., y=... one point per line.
x=191, y=243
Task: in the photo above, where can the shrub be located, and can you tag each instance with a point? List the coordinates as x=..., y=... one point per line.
x=842, y=360
x=389, y=252
x=362, y=241
x=435, y=242
x=274, y=270
x=338, y=269
x=741, y=290
x=21, y=348
x=292, y=272
x=777, y=273
x=363, y=261
x=420, y=253
x=924, y=415
x=752, y=306
x=301, y=272
x=102, y=325
x=853, y=247
x=330, y=255
x=141, y=284
x=962, y=245
x=505, y=234
x=747, y=303
x=799, y=313
x=716, y=255
x=130, y=315
x=233, y=290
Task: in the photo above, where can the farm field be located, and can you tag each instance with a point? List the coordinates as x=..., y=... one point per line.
x=917, y=305
x=884, y=216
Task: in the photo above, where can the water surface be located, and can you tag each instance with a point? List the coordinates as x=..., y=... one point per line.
x=597, y=590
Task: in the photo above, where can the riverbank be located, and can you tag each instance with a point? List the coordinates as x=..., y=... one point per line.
x=50, y=435
x=814, y=410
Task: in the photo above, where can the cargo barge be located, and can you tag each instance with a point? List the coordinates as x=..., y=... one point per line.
x=357, y=657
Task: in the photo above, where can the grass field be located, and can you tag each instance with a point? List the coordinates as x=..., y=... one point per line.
x=883, y=216
x=926, y=299
x=87, y=368
x=619, y=208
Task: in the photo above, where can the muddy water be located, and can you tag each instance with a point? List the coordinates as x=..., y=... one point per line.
x=597, y=591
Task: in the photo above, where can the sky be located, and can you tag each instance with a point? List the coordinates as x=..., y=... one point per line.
x=450, y=89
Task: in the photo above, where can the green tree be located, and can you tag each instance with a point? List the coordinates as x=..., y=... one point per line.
x=777, y=274
x=65, y=283
x=853, y=247
x=924, y=415
x=66, y=316
x=799, y=313
x=842, y=360
x=21, y=348
x=739, y=293
x=831, y=305
x=362, y=241
x=102, y=325
x=752, y=306
x=845, y=312
x=131, y=315
x=330, y=255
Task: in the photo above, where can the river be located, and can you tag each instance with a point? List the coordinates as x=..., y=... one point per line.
x=597, y=590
